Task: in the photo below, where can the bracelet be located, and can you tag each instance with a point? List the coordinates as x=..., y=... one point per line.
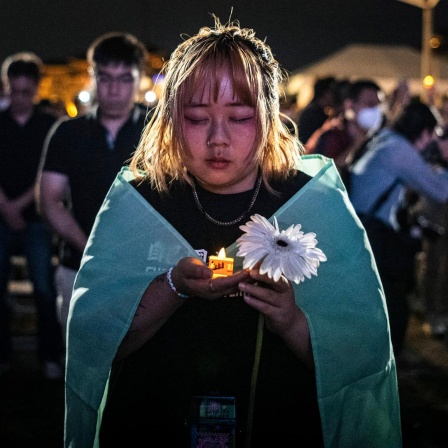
x=170, y=282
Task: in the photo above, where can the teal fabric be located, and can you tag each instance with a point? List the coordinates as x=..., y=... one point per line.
x=131, y=243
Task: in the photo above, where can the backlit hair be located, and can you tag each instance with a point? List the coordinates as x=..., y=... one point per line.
x=25, y=64
x=202, y=60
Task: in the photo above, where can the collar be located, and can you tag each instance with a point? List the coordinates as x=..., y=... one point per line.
x=134, y=115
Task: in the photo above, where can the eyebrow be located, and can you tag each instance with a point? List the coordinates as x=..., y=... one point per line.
x=233, y=104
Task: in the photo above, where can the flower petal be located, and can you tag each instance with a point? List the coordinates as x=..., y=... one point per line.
x=290, y=254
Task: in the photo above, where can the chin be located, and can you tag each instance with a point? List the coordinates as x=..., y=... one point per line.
x=114, y=112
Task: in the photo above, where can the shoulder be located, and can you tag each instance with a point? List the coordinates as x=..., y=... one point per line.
x=152, y=195
x=140, y=116
x=292, y=184
x=68, y=125
x=391, y=142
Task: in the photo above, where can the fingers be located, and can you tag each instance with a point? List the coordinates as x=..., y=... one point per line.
x=262, y=292
x=193, y=268
x=192, y=277
x=264, y=280
x=222, y=286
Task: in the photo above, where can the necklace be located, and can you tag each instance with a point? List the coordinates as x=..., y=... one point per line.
x=228, y=223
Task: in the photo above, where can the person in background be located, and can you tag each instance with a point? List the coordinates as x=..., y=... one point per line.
x=433, y=260
x=363, y=115
x=156, y=344
x=23, y=129
x=397, y=100
x=380, y=180
x=84, y=154
x=314, y=115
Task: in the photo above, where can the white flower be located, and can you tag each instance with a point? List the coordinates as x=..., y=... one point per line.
x=289, y=253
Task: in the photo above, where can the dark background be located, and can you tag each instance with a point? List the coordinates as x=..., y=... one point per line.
x=299, y=31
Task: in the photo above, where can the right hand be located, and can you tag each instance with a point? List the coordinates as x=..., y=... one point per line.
x=190, y=276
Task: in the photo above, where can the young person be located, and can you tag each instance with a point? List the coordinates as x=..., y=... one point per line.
x=84, y=154
x=156, y=344
x=23, y=129
x=391, y=166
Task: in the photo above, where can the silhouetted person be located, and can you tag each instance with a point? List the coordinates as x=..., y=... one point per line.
x=85, y=153
x=23, y=129
x=314, y=115
x=380, y=180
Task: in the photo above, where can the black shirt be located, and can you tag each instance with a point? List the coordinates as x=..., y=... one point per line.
x=20, y=152
x=208, y=347
x=81, y=148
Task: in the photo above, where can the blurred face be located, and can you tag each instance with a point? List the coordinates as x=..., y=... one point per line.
x=22, y=92
x=116, y=85
x=220, y=135
x=367, y=99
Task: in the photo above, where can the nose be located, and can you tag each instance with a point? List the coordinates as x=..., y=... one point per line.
x=114, y=87
x=219, y=134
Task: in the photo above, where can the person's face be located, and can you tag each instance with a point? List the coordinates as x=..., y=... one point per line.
x=22, y=91
x=367, y=99
x=116, y=85
x=221, y=139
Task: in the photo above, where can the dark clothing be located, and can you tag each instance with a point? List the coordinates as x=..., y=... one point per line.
x=36, y=243
x=333, y=143
x=20, y=153
x=151, y=391
x=311, y=118
x=82, y=149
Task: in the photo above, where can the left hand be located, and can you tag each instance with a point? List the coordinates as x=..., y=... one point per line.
x=275, y=300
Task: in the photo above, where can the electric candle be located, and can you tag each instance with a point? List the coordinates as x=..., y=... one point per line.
x=221, y=265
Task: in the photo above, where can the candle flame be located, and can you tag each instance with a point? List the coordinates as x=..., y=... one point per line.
x=222, y=253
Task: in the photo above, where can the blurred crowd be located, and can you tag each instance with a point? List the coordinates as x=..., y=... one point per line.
x=391, y=149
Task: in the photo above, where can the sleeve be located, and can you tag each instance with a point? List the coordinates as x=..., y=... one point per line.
x=57, y=149
x=406, y=164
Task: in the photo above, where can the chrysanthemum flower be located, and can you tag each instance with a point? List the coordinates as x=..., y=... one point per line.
x=290, y=254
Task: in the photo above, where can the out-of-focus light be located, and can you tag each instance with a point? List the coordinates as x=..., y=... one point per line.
x=145, y=83
x=428, y=81
x=84, y=96
x=159, y=78
x=435, y=42
x=71, y=109
x=150, y=96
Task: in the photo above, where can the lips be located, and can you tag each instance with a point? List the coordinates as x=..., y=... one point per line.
x=218, y=163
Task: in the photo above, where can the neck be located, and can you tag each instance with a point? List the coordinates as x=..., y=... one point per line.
x=114, y=123
x=235, y=221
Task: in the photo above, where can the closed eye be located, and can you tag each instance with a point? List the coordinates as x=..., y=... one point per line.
x=196, y=120
x=241, y=120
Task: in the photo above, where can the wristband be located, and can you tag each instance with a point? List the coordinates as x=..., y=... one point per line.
x=173, y=288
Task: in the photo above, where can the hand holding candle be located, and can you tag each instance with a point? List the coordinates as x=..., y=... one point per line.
x=221, y=265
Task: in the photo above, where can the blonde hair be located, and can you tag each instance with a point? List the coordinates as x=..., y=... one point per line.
x=256, y=78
